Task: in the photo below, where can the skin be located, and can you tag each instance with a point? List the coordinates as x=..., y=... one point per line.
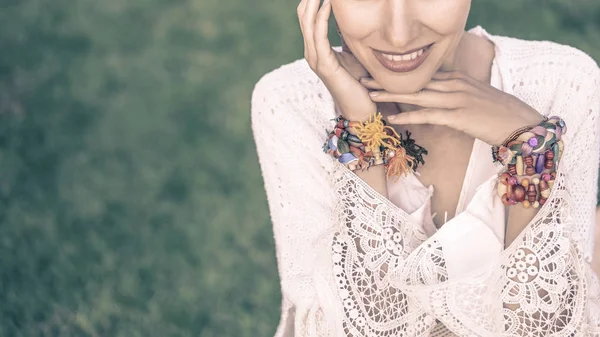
x=443, y=103
x=399, y=26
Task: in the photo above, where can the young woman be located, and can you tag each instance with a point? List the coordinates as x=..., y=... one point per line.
x=483, y=227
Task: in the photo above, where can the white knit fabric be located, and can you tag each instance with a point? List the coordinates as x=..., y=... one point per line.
x=353, y=263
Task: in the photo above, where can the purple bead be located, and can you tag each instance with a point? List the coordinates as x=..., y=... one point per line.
x=346, y=158
x=333, y=143
x=512, y=181
x=539, y=163
x=533, y=142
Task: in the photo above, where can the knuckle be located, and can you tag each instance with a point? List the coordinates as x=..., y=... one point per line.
x=458, y=83
x=457, y=74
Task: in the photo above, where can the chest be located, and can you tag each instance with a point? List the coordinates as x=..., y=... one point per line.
x=445, y=167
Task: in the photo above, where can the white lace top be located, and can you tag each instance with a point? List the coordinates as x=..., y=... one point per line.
x=354, y=263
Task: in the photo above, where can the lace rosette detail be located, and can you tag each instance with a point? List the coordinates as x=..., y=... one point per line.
x=394, y=281
x=369, y=244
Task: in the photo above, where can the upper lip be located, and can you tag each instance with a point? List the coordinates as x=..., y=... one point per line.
x=402, y=53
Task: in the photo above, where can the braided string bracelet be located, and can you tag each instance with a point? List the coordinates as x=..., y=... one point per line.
x=531, y=156
x=360, y=145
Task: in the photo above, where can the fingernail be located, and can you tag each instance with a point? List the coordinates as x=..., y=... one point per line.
x=373, y=93
x=391, y=118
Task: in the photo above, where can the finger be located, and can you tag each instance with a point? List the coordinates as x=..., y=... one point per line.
x=308, y=22
x=457, y=77
x=300, y=8
x=448, y=85
x=445, y=75
x=423, y=116
x=321, y=38
x=300, y=11
x=424, y=98
x=370, y=83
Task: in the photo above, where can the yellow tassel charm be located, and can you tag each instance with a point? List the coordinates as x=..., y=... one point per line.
x=399, y=163
x=373, y=133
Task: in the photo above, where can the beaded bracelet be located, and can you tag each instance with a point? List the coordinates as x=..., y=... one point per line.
x=360, y=145
x=531, y=158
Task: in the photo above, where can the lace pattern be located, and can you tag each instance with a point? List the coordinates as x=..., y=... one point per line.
x=353, y=264
x=390, y=288
x=368, y=246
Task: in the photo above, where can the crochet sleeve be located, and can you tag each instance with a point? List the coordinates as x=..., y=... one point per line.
x=548, y=282
x=289, y=147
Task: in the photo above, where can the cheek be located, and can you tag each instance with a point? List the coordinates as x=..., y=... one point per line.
x=357, y=20
x=445, y=16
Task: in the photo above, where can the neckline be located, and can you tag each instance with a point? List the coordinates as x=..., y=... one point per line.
x=495, y=81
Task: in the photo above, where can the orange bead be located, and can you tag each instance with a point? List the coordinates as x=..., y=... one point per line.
x=526, y=203
x=525, y=182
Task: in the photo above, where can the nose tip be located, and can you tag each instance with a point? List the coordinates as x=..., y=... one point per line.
x=400, y=25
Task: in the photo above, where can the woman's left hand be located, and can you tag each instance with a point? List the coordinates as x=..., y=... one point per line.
x=463, y=103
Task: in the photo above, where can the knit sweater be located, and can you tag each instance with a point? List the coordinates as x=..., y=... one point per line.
x=355, y=263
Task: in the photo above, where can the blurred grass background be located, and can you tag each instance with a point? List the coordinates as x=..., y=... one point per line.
x=131, y=201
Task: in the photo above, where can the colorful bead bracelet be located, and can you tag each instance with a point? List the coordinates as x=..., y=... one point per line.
x=531, y=158
x=360, y=145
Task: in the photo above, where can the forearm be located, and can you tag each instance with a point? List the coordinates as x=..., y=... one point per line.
x=518, y=218
x=375, y=177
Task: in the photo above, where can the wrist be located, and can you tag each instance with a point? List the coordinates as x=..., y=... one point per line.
x=513, y=129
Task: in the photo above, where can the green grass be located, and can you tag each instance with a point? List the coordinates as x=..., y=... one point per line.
x=131, y=201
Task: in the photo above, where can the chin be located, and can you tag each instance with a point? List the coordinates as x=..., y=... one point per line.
x=406, y=85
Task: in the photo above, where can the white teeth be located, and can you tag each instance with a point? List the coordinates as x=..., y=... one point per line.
x=405, y=57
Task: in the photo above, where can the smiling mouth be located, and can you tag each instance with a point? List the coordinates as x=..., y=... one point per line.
x=401, y=63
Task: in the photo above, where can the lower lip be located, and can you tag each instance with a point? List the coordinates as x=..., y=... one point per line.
x=403, y=66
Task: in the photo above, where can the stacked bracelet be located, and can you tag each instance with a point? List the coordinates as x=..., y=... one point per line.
x=531, y=156
x=362, y=145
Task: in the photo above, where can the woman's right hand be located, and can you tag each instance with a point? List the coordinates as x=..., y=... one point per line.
x=339, y=71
